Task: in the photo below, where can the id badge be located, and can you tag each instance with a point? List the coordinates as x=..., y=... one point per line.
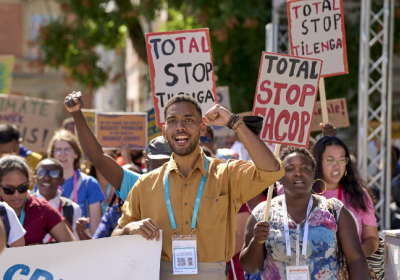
x=184, y=254
x=297, y=273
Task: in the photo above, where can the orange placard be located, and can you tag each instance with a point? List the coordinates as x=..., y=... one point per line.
x=337, y=113
x=112, y=129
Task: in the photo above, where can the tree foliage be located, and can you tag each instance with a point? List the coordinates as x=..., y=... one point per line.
x=237, y=31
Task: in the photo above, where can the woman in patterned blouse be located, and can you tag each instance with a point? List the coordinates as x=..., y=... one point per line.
x=265, y=242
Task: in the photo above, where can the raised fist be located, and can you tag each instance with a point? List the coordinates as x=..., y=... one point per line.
x=73, y=102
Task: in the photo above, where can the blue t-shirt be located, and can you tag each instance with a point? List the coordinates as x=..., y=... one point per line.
x=89, y=191
x=128, y=182
x=108, y=223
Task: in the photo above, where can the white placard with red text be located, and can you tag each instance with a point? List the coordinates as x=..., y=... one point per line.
x=181, y=63
x=316, y=29
x=286, y=93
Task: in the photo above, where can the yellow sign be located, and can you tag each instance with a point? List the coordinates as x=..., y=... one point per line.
x=90, y=117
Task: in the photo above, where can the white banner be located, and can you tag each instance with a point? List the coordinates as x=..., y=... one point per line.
x=122, y=258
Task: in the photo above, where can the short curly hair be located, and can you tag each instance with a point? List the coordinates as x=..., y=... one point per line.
x=293, y=149
x=180, y=99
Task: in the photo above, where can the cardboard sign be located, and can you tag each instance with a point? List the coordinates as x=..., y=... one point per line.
x=6, y=69
x=181, y=63
x=316, y=29
x=35, y=119
x=285, y=96
x=90, y=117
x=113, y=128
x=153, y=130
x=100, y=259
x=337, y=112
x=225, y=101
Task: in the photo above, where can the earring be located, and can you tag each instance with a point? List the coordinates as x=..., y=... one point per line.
x=345, y=173
x=320, y=192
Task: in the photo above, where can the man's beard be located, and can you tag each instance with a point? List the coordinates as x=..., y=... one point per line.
x=184, y=151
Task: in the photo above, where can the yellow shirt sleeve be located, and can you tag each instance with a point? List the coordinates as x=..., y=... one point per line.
x=131, y=208
x=247, y=181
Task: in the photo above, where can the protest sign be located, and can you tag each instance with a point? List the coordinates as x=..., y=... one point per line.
x=285, y=96
x=6, y=69
x=181, y=63
x=153, y=130
x=337, y=112
x=112, y=129
x=35, y=119
x=123, y=258
x=225, y=101
x=90, y=117
x=316, y=30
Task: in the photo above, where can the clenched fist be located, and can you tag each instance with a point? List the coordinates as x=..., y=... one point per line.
x=73, y=102
x=218, y=116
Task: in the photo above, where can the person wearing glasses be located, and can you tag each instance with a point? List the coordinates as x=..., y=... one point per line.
x=37, y=216
x=80, y=188
x=336, y=169
x=48, y=178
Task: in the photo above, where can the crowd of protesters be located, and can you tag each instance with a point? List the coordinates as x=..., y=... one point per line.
x=321, y=207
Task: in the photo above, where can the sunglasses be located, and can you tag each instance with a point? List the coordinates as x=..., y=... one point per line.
x=205, y=139
x=58, y=151
x=341, y=161
x=11, y=191
x=55, y=173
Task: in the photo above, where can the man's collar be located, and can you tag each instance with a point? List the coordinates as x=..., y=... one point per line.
x=199, y=163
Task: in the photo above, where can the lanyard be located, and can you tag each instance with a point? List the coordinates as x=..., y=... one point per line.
x=105, y=203
x=197, y=205
x=75, y=190
x=22, y=216
x=340, y=193
x=305, y=237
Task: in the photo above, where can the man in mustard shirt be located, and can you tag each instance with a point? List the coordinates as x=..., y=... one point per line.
x=194, y=196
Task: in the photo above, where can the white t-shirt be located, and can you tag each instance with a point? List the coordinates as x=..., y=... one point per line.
x=55, y=202
x=16, y=229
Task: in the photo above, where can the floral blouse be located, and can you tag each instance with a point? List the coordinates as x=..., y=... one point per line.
x=322, y=254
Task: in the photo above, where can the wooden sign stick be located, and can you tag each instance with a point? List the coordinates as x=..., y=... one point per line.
x=322, y=97
x=270, y=189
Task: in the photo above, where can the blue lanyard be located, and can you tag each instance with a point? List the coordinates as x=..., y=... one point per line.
x=22, y=216
x=104, y=203
x=197, y=205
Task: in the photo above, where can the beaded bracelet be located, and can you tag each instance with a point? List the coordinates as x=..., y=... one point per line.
x=232, y=120
x=240, y=122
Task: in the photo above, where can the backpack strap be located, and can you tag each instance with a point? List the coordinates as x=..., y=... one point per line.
x=4, y=218
x=68, y=210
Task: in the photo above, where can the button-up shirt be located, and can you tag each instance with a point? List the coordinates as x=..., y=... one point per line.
x=228, y=186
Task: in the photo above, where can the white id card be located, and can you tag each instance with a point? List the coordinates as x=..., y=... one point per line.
x=184, y=254
x=297, y=273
